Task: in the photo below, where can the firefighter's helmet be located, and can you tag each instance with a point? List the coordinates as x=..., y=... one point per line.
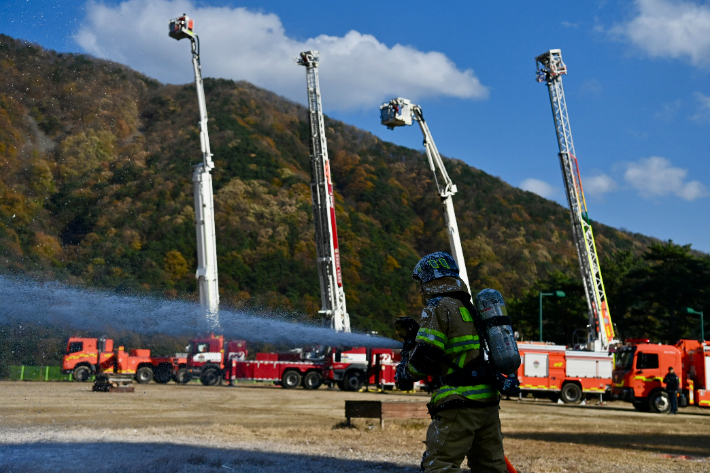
x=434, y=266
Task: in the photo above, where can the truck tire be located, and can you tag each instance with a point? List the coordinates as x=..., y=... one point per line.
x=659, y=402
x=312, y=380
x=81, y=374
x=162, y=375
x=182, y=376
x=210, y=377
x=571, y=393
x=353, y=380
x=291, y=379
x=144, y=375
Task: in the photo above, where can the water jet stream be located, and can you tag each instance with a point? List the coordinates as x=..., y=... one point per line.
x=56, y=304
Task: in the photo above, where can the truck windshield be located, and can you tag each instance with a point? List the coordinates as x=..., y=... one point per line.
x=625, y=359
x=75, y=347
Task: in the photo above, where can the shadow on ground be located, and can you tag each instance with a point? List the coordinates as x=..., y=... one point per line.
x=675, y=444
x=128, y=457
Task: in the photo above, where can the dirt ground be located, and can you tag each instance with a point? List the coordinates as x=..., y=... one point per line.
x=169, y=428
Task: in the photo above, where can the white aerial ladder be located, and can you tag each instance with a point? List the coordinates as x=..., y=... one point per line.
x=327, y=251
x=550, y=69
x=400, y=112
x=206, y=273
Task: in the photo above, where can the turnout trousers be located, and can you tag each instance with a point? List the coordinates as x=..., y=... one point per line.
x=465, y=432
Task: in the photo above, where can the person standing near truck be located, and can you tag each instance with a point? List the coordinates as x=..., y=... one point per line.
x=464, y=407
x=672, y=382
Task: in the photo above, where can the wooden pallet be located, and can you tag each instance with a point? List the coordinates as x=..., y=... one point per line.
x=385, y=410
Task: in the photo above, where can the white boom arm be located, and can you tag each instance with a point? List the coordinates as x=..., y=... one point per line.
x=400, y=112
x=550, y=69
x=328, y=253
x=206, y=274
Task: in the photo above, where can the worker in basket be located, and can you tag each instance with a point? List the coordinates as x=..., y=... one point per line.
x=448, y=346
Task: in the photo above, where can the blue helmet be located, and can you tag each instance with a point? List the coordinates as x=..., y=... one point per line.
x=434, y=266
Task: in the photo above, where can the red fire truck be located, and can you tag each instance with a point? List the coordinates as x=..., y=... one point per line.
x=83, y=355
x=641, y=367
x=349, y=369
x=558, y=373
x=207, y=358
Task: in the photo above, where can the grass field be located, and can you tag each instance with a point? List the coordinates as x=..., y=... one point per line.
x=170, y=428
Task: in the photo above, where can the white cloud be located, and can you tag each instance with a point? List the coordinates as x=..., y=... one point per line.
x=670, y=29
x=703, y=112
x=655, y=176
x=541, y=188
x=599, y=184
x=568, y=24
x=357, y=70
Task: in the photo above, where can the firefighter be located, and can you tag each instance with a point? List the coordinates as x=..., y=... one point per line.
x=464, y=408
x=671, y=381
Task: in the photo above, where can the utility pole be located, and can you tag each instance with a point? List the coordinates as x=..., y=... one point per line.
x=401, y=112
x=206, y=274
x=550, y=70
x=327, y=250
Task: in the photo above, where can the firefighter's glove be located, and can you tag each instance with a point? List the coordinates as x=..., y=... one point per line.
x=507, y=385
x=402, y=379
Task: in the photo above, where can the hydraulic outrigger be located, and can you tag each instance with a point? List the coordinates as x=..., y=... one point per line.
x=206, y=274
x=400, y=112
x=550, y=70
x=327, y=251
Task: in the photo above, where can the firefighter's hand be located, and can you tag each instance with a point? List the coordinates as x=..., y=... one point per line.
x=507, y=385
x=402, y=379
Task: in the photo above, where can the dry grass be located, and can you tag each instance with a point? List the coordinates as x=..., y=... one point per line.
x=258, y=428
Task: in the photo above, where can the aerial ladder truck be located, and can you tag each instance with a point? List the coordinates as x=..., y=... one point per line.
x=206, y=273
x=401, y=112
x=550, y=70
x=328, y=254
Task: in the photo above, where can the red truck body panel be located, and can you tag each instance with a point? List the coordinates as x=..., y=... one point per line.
x=549, y=367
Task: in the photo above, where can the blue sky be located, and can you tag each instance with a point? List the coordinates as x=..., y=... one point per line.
x=637, y=90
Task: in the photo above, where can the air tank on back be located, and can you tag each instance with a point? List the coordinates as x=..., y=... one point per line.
x=504, y=355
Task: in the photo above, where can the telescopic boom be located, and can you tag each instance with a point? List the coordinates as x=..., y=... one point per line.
x=550, y=70
x=328, y=254
x=206, y=274
x=400, y=112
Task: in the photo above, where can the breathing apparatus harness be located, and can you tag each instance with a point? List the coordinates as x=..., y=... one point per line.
x=478, y=371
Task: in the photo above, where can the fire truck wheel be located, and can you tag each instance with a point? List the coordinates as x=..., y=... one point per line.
x=312, y=380
x=82, y=374
x=210, y=377
x=144, y=375
x=659, y=402
x=182, y=376
x=162, y=375
x=353, y=380
x=571, y=393
x=291, y=379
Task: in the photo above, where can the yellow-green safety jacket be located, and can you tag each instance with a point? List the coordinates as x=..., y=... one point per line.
x=447, y=328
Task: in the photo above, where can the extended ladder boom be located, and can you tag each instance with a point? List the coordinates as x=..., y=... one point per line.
x=206, y=273
x=328, y=253
x=550, y=69
x=400, y=112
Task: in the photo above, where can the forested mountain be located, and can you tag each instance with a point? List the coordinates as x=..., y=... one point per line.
x=95, y=189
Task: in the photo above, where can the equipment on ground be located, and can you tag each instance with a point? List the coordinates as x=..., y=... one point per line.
x=641, y=367
x=87, y=357
x=206, y=274
x=550, y=70
x=327, y=250
x=400, y=112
